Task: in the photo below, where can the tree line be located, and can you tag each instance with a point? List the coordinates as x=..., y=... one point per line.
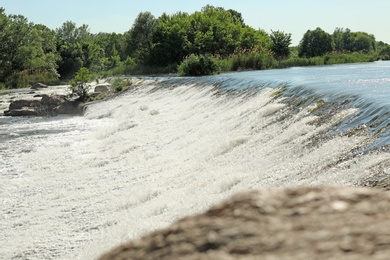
x=33, y=52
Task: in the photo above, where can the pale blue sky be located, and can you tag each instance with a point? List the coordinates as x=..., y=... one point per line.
x=290, y=16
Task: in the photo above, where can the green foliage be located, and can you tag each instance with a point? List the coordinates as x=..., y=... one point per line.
x=79, y=84
x=25, y=50
x=225, y=64
x=384, y=53
x=170, y=41
x=126, y=67
x=280, y=44
x=328, y=59
x=315, y=43
x=349, y=58
x=76, y=48
x=347, y=41
x=213, y=30
x=120, y=84
x=300, y=62
x=198, y=65
x=139, y=40
x=255, y=59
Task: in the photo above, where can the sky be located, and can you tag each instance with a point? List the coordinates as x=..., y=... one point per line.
x=289, y=16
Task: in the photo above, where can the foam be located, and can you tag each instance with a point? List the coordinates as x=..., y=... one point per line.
x=142, y=160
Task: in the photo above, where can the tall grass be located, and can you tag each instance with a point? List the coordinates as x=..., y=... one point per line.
x=349, y=58
x=254, y=59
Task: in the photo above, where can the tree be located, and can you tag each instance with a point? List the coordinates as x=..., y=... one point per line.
x=27, y=51
x=384, y=53
x=347, y=41
x=363, y=42
x=140, y=37
x=251, y=39
x=170, y=40
x=315, y=43
x=74, y=45
x=280, y=44
x=79, y=84
x=214, y=31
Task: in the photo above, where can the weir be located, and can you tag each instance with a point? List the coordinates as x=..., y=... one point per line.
x=171, y=147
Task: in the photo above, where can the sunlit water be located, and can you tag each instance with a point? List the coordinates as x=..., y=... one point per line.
x=73, y=187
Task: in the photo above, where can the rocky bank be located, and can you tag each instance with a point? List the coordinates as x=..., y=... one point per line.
x=45, y=105
x=293, y=223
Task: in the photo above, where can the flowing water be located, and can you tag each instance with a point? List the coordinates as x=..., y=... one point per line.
x=73, y=187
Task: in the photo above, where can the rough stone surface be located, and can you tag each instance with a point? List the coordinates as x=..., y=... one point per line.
x=101, y=88
x=25, y=111
x=19, y=104
x=68, y=108
x=39, y=86
x=295, y=223
x=48, y=105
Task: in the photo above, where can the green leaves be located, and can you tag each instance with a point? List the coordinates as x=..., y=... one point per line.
x=347, y=41
x=315, y=43
x=26, y=50
x=280, y=44
x=79, y=84
x=198, y=65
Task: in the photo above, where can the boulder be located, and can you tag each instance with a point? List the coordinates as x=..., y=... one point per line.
x=294, y=223
x=25, y=111
x=68, y=108
x=24, y=103
x=101, y=88
x=48, y=105
x=52, y=101
x=39, y=85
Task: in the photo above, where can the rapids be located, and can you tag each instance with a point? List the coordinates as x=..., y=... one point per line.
x=73, y=187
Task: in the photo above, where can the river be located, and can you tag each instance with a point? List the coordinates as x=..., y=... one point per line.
x=73, y=187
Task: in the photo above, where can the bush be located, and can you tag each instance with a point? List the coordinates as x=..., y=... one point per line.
x=17, y=80
x=224, y=64
x=337, y=58
x=252, y=60
x=384, y=54
x=301, y=62
x=120, y=84
x=198, y=65
x=79, y=84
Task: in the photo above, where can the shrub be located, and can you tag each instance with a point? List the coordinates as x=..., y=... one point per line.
x=300, y=62
x=79, y=84
x=340, y=58
x=17, y=80
x=120, y=84
x=252, y=60
x=198, y=65
x=384, y=54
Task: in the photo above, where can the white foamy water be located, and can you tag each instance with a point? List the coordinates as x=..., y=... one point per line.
x=79, y=186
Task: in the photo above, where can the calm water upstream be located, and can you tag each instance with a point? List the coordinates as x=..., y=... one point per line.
x=73, y=187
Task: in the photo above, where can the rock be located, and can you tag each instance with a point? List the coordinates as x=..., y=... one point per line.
x=294, y=223
x=69, y=108
x=22, y=103
x=53, y=101
x=39, y=85
x=21, y=112
x=101, y=88
x=48, y=105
